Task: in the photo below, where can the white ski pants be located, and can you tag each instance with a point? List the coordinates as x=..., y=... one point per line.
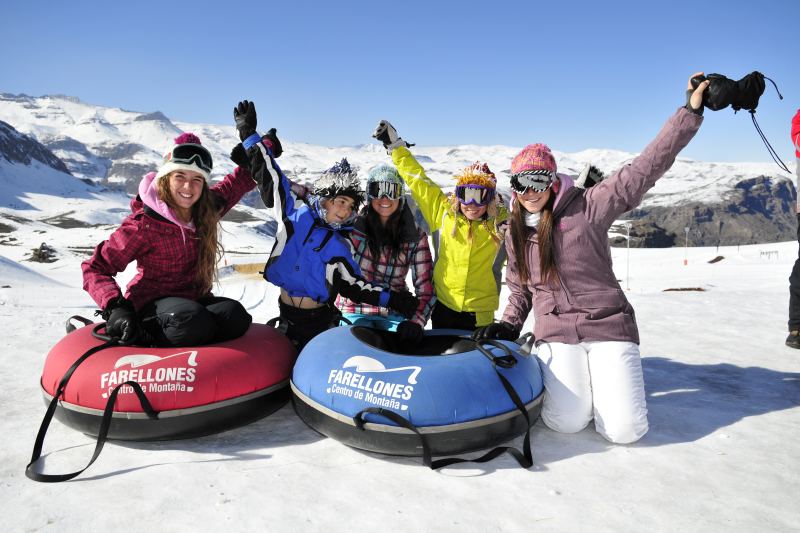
x=601, y=380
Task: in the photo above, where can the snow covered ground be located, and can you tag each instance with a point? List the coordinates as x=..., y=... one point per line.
x=722, y=452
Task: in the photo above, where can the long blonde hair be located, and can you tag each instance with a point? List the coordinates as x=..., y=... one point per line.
x=489, y=221
x=205, y=216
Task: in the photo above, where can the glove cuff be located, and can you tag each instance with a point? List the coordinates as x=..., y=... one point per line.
x=399, y=143
x=251, y=141
x=383, y=299
x=689, y=105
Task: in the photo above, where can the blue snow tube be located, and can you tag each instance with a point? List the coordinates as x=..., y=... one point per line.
x=448, y=389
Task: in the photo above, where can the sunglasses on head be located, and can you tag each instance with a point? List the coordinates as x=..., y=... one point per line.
x=191, y=154
x=537, y=181
x=389, y=189
x=474, y=194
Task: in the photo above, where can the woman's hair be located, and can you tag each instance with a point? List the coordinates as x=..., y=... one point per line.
x=379, y=235
x=519, y=231
x=205, y=216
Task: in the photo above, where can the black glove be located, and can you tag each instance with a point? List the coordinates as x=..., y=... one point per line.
x=403, y=302
x=386, y=134
x=245, y=116
x=498, y=330
x=121, y=321
x=409, y=332
x=239, y=156
x=272, y=137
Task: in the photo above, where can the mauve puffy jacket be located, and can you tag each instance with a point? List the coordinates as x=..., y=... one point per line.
x=587, y=303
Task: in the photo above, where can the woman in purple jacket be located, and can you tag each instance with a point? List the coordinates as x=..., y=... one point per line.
x=172, y=235
x=559, y=264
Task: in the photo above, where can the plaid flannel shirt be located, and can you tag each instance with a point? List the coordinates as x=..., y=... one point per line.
x=392, y=272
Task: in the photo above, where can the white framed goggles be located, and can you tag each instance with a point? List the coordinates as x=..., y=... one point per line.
x=190, y=154
x=536, y=180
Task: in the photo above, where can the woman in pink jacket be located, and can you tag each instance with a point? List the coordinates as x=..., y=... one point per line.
x=172, y=235
x=559, y=264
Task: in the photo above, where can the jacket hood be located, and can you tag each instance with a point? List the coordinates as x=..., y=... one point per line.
x=565, y=184
x=149, y=195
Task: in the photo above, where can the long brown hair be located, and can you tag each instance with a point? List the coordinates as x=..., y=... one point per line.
x=205, y=216
x=519, y=234
x=380, y=236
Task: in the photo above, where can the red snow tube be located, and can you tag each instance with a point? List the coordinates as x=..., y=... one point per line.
x=195, y=390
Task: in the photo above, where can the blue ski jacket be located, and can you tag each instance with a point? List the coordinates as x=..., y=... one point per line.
x=309, y=258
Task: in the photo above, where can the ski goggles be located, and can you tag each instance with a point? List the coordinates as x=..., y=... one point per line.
x=537, y=180
x=190, y=154
x=474, y=194
x=390, y=189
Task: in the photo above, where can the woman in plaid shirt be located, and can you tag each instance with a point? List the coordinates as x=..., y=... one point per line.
x=172, y=235
x=387, y=243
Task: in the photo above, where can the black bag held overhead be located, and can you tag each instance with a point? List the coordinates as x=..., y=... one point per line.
x=743, y=94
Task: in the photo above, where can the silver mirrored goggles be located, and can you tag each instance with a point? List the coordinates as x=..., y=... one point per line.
x=536, y=180
x=389, y=189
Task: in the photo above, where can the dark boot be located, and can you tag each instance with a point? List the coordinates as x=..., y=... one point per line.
x=793, y=340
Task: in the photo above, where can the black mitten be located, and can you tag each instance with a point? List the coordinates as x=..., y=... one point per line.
x=497, y=330
x=246, y=120
x=239, y=156
x=121, y=320
x=403, y=302
x=409, y=332
x=272, y=137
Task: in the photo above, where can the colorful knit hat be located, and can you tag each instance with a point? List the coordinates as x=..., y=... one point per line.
x=535, y=162
x=187, y=154
x=340, y=180
x=477, y=174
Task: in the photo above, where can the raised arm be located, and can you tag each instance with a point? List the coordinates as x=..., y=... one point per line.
x=431, y=200
x=261, y=153
x=624, y=189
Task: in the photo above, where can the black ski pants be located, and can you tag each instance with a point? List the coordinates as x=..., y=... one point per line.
x=794, y=287
x=175, y=321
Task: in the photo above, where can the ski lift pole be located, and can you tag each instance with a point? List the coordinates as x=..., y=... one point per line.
x=628, y=260
x=686, y=247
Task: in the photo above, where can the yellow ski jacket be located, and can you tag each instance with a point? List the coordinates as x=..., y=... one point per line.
x=463, y=276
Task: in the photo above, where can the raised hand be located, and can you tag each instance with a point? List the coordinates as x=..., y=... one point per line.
x=694, y=96
x=245, y=116
x=387, y=134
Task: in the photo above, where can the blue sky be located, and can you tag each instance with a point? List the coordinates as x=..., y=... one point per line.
x=574, y=75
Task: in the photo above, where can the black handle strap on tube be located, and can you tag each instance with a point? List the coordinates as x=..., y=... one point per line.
x=105, y=423
x=70, y=328
x=524, y=458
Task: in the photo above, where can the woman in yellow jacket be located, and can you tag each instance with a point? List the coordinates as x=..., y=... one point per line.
x=471, y=224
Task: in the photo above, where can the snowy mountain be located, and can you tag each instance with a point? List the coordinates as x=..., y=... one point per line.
x=722, y=389
x=116, y=147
